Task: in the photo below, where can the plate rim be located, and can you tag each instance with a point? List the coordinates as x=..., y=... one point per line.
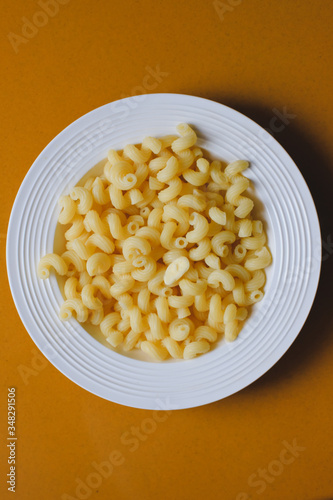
x=258, y=372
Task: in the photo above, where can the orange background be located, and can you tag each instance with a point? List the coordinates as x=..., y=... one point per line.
x=255, y=56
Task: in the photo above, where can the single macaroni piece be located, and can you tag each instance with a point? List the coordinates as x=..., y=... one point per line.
x=187, y=140
x=162, y=252
x=70, y=288
x=176, y=270
x=76, y=229
x=68, y=209
x=175, y=350
x=98, y=263
x=158, y=352
x=84, y=197
x=76, y=305
x=51, y=260
x=195, y=348
x=205, y=332
x=180, y=328
x=88, y=298
x=201, y=228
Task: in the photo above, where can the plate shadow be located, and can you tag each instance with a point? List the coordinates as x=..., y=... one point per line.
x=317, y=170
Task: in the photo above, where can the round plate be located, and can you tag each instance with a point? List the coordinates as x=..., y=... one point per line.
x=293, y=236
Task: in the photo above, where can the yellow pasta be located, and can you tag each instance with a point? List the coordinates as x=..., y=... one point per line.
x=157, y=286
x=98, y=263
x=213, y=261
x=68, y=209
x=231, y=330
x=195, y=178
x=96, y=316
x=143, y=300
x=205, y=332
x=194, y=201
x=117, y=231
x=221, y=276
x=51, y=260
x=122, y=285
x=109, y=322
x=70, y=288
x=180, y=301
x=188, y=138
x=84, y=278
x=162, y=251
x=179, y=215
x=162, y=308
x=103, y=285
x=135, y=154
x=173, y=190
x=89, y=299
x=155, y=145
x=156, y=326
x=170, y=170
x=201, y=303
x=73, y=260
x=158, y=352
x=217, y=215
x=130, y=340
x=84, y=198
x=201, y=251
x=102, y=242
x=215, y=314
x=155, y=217
x=146, y=268
x=257, y=281
x=93, y=223
x=100, y=192
x=254, y=242
x=189, y=287
x=115, y=338
x=218, y=176
x=180, y=329
x=261, y=260
x=200, y=230
x=220, y=240
x=176, y=270
x=174, y=349
x=183, y=312
x=141, y=174
x=195, y=348
x=76, y=305
x=77, y=227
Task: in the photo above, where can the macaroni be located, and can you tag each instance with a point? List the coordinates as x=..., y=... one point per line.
x=162, y=252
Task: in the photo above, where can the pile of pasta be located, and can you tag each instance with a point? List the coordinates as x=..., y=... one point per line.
x=161, y=249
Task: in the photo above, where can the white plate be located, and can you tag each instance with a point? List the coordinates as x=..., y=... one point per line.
x=293, y=233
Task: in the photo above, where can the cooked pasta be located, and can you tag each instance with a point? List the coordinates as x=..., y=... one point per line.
x=68, y=209
x=84, y=197
x=162, y=252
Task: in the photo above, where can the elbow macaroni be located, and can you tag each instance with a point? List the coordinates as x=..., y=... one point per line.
x=162, y=252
